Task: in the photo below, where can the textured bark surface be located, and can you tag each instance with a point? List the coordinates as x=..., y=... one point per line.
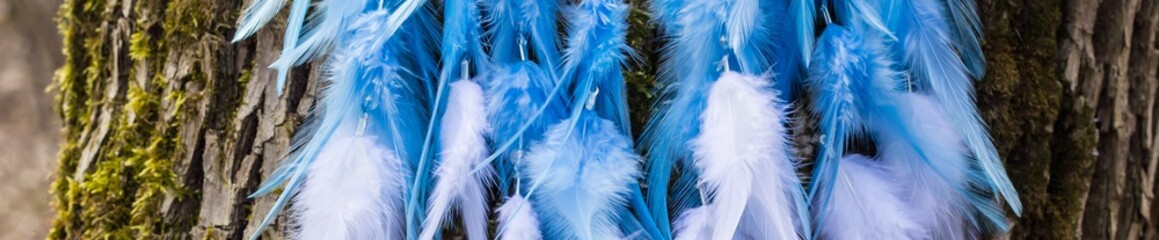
x=168, y=126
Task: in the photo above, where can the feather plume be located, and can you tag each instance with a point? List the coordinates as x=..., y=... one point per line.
x=942, y=195
x=352, y=192
x=595, y=53
x=463, y=147
x=865, y=205
x=745, y=162
x=515, y=92
x=461, y=135
x=932, y=61
x=368, y=94
x=584, y=178
x=689, y=66
x=517, y=220
x=854, y=81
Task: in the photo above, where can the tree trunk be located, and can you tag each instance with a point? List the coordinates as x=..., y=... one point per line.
x=169, y=126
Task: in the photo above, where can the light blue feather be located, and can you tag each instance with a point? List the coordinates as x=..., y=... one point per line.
x=256, y=15
x=851, y=83
x=514, y=94
x=532, y=21
x=858, y=88
x=686, y=71
x=967, y=30
x=595, y=54
x=665, y=13
x=690, y=64
x=460, y=49
x=793, y=40
x=584, y=178
x=524, y=30
x=367, y=80
x=596, y=50
x=933, y=63
x=701, y=34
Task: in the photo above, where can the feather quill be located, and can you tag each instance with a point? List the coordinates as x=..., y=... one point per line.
x=517, y=220
x=746, y=164
x=866, y=205
x=368, y=93
x=584, y=178
x=463, y=146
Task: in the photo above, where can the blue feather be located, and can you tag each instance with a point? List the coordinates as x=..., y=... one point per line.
x=368, y=81
x=532, y=21
x=321, y=30
x=793, y=41
x=854, y=82
x=967, y=29
x=665, y=13
x=460, y=49
x=945, y=189
x=595, y=53
x=688, y=67
x=515, y=93
x=692, y=61
x=584, y=178
x=930, y=55
x=514, y=25
x=858, y=88
x=257, y=15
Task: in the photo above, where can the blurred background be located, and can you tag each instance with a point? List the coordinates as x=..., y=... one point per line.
x=29, y=53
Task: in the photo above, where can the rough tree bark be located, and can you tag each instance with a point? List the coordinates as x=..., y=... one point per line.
x=168, y=126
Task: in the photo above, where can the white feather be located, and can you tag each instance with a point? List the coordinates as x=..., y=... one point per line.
x=865, y=205
x=935, y=202
x=353, y=191
x=517, y=220
x=745, y=163
x=692, y=224
x=464, y=146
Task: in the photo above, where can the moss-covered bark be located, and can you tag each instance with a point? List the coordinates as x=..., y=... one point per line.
x=144, y=86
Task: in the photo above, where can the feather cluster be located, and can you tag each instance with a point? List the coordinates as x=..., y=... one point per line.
x=435, y=112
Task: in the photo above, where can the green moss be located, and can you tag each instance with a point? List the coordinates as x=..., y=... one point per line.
x=121, y=194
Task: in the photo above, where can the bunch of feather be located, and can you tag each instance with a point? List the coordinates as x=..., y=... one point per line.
x=724, y=128
x=421, y=124
x=860, y=86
